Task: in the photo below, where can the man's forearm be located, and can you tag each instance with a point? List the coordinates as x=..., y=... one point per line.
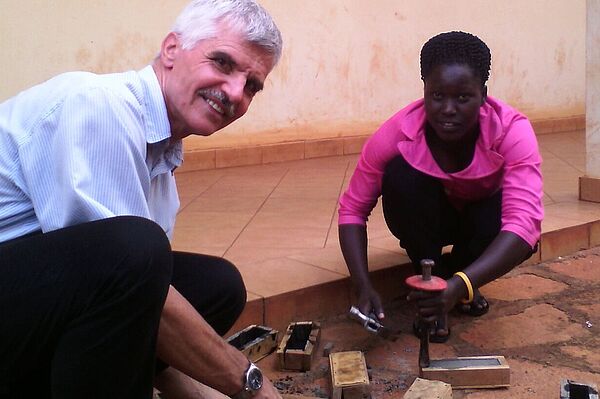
x=188, y=343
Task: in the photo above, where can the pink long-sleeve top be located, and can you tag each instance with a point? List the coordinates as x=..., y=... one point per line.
x=506, y=157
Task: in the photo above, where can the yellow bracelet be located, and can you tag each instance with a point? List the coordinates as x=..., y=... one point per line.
x=469, y=286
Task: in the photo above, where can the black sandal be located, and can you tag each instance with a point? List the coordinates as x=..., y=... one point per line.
x=478, y=307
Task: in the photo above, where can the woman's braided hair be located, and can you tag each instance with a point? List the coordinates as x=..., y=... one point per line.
x=456, y=48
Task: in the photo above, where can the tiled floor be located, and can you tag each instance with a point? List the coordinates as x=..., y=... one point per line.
x=278, y=224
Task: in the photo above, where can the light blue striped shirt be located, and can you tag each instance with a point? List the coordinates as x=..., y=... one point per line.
x=82, y=147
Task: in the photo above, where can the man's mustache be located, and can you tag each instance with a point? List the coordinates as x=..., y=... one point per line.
x=223, y=98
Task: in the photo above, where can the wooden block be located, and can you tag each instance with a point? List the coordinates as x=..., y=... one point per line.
x=298, y=345
x=469, y=372
x=426, y=389
x=349, y=377
x=254, y=341
x=577, y=390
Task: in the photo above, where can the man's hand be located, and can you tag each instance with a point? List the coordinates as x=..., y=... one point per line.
x=267, y=391
x=188, y=343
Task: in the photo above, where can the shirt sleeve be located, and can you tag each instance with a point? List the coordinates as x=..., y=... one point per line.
x=522, y=189
x=364, y=188
x=86, y=160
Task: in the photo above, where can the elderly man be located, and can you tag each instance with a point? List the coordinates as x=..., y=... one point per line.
x=91, y=292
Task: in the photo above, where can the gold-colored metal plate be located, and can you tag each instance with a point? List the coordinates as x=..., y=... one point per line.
x=348, y=368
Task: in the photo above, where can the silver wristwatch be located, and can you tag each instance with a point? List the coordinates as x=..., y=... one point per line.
x=251, y=383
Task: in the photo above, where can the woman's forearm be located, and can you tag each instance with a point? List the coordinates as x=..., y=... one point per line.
x=353, y=242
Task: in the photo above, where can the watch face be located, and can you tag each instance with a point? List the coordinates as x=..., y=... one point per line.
x=255, y=379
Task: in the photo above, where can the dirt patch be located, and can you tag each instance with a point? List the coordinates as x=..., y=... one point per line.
x=544, y=337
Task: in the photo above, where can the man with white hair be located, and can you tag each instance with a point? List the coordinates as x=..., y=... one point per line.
x=91, y=292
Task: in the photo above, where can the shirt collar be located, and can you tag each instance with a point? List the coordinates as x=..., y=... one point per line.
x=412, y=119
x=158, y=127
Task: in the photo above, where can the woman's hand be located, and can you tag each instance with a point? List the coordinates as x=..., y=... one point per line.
x=432, y=304
x=370, y=302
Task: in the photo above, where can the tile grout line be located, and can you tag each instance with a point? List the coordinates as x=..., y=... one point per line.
x=336, y=204
x=256, y=212
x=318, y=267
x=199, y=195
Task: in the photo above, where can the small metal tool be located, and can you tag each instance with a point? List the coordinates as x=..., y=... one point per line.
x=372, y=324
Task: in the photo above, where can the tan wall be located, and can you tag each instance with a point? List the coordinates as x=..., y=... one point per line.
x=347, y=64
x=593, y=94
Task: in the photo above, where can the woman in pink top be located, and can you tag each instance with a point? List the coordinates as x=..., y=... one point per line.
x=455, y=168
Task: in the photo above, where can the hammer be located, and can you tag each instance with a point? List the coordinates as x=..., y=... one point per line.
x=425, y=282
x=372, y=324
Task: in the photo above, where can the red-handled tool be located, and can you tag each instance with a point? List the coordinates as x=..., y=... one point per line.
x=425, y=282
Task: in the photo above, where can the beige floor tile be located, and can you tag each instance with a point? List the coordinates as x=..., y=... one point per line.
x=577, y=210
x=210, y=228
x=547, y=155
x=326, y=191
x=288, y=220
x=283, y=237
x=192, y=184
x=281, y=213
x=329, y=165
x=577, y=162
x=239, y=191
x=550, y=224
x=560, y=173
x=563, y=189
x=306, y=206
x=242, y=255
x=187, y=180
x=326, y=258
x=278, y=276
x=245, y=184
x=333, y=239
x=558, y=141
x=547, y=200
x=564, y=196
x=225, y=204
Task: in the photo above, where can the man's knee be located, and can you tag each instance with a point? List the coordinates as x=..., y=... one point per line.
x=232, y=283
x=145, y=250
